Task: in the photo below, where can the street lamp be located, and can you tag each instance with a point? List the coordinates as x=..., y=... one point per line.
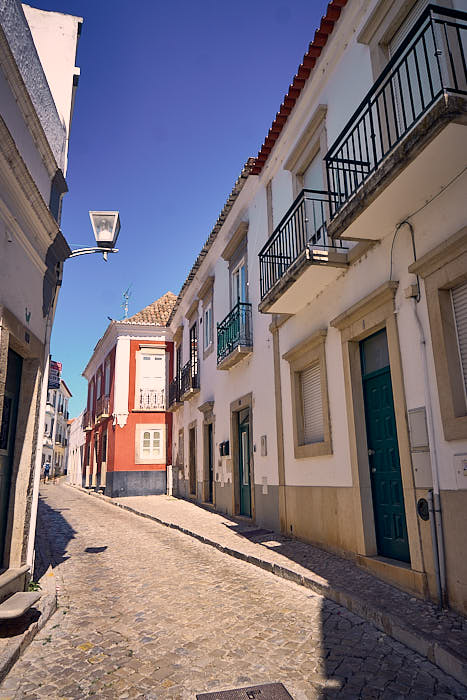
x=106, y=227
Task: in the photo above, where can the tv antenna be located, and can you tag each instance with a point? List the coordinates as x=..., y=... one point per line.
x=126, y=296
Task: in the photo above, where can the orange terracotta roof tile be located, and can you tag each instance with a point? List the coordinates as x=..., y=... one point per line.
x=304, y=70
x=157, y=313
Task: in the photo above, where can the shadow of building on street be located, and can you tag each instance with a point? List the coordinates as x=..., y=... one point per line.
x=53, y=533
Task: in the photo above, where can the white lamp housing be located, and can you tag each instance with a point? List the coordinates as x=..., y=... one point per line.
x=106, y=227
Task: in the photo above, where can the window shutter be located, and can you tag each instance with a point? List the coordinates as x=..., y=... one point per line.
x=310, y=385
x=459, y=303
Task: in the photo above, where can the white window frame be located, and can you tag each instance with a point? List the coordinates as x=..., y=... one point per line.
x=243, y=288
x=152, y=432
x=153, y=457
x=208, y=334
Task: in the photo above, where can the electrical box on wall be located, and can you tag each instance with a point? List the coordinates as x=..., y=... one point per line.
x=418, y=430
x=460, y=466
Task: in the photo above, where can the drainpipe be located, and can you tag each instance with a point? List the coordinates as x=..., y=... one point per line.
x=434, y=496
x=436, y=520
x=434, y=542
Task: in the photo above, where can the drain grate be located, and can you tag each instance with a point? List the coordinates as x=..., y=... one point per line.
x=270, y=691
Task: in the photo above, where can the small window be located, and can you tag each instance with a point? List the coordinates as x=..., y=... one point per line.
x=99, y=386
x=239, y=284
x=150, y=443
x=207, y=327
x=312, y=405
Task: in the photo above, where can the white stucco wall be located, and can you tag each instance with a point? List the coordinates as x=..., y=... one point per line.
x=340, y=82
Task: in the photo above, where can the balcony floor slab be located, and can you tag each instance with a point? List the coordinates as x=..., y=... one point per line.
x=237, y=355
x=303, y=280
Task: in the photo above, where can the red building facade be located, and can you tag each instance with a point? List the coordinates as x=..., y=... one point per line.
x=128, y=430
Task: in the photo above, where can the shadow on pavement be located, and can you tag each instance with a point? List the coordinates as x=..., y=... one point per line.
x=53, y=533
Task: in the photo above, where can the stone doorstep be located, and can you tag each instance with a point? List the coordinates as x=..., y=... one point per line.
x=46, y=606
x=398, y=628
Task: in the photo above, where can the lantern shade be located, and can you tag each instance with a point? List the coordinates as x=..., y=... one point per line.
x=106, y=227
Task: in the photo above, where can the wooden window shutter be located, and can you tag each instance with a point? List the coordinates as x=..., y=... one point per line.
x=312, y=405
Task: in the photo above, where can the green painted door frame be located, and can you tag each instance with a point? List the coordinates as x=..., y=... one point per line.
x=383, y=451
x=244, y=461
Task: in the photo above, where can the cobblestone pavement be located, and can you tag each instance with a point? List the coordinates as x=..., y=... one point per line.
x=328, y=570
x=147, y=612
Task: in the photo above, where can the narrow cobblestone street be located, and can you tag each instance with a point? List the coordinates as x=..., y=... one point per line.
x=147, y=612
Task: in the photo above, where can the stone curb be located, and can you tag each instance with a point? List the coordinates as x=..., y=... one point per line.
x=46, y=605
x=448, y=661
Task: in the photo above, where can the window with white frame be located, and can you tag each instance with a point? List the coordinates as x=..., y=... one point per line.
x=150, y=381
x=207, y=320
x=151, y=444
x=239, y=283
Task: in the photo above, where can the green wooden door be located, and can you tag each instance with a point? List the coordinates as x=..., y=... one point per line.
x=7, y=438
x=210, y=464
x=244, y=461
x=383, y=451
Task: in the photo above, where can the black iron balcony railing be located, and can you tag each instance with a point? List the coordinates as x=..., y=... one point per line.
x=303, y=225
x=151, y=399
x=235, y=330
x=189, y=380
x=87, y=420
x=430, y=62
x=174, y=391
x=103, y=406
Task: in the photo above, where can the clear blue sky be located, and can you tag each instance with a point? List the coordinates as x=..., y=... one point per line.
x=172, y=100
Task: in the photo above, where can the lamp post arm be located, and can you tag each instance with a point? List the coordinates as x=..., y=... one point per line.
x=86, y=251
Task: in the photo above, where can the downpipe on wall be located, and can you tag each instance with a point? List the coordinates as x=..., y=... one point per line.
x=434, y=501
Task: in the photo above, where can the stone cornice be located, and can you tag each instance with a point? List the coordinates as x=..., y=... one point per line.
x=32, y=201
x=385, y=292
x=114, y=331
x=23, y=99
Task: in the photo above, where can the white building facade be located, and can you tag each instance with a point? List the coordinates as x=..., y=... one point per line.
x=322, y=331
x=38, y=79
x=76, y=445
x=55, y=442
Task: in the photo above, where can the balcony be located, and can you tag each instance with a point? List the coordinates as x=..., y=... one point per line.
x=234, y=336
x=406, y=140
x=299, y=258
x=49, y=407
x=174, y=394
x=189, y=380
x=87, y=422
x=102, y=407
x=151, y=400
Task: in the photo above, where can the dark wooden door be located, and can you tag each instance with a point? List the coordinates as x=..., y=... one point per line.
x=192, y=460
x=7, y=438
x=385, y=471
x=244, y=461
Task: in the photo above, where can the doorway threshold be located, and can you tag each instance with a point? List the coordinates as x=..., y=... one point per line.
x=398, y=573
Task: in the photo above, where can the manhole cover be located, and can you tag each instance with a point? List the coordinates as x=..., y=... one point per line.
x=270, y=691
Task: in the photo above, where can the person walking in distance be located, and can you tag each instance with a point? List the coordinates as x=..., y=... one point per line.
x=46, y=472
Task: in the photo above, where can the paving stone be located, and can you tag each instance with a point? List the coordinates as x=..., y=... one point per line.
x=160, y=615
